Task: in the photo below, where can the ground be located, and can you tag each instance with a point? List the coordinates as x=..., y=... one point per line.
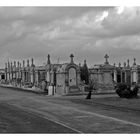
x=26, y=112
x=14, y=120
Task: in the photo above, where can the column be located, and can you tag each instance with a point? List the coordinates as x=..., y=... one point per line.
x=32, y=76
x=48, y=76
x=23, y=76
x=36, y=77
x=29, y=76
x=5, y=76
x=125, y=77
x=135, y=76
x=121, y=76
x=115, y=76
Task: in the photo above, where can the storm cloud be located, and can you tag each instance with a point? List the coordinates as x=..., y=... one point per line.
x=88, y=32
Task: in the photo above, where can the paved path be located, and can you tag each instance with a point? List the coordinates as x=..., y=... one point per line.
x=15, y=120
x=68, y=114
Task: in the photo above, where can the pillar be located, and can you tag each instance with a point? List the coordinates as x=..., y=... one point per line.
x=135, y=76
x=23, y=76
x=125, y=77
x=28, y=75
x=11, y=72
x=121, y=76
x=48, y=76
x=31, y=78
x=115, y=76
x=36, y=77
x=5, y=72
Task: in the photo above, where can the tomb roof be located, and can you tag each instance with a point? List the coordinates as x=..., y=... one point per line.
x=62, y=67
x=103, y=66
x=40, y=68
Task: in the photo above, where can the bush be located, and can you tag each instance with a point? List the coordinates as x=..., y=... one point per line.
x=126, y=91
x=135, y=91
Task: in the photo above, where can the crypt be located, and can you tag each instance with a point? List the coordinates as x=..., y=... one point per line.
x=102, y=75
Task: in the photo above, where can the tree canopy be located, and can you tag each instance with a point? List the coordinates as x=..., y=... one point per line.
x=85, y=73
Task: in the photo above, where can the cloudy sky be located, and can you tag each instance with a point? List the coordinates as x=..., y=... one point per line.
x=87, y=32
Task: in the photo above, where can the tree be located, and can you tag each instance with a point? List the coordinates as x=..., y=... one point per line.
x=85, y=73
x=127, y=91
x=91, y=86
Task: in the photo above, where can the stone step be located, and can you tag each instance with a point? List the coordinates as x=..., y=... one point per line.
x=74, y=89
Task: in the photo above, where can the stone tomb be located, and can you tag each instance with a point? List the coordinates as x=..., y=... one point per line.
x=103, y=75
x=67, y=78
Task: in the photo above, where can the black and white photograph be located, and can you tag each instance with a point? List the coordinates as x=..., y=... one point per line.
x=69, y=69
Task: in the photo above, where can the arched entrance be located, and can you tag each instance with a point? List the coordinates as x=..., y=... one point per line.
x=118, y=77
x=2, y=76
x=72, y=77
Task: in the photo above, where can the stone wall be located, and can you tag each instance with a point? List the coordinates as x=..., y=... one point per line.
x=60, y=83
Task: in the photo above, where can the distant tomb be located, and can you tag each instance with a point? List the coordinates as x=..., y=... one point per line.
x=103, y=74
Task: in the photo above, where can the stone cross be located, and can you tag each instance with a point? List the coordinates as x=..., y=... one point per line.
x=18, y=64
x=119, y=64
x=23, y=63
x=106, y=59
x=85, y=62
x=28, y=63
x=127, y=62
x=71, y=56
x=14, y=63
x=124, y=64
x=48, y=62
x=32, y=61
x=8, y=64
x=134, y=61
x=5, y=65
x=11, y=64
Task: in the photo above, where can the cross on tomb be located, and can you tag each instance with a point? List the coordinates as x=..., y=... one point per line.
x=71, y=56
x=119, y=64
x=28, y=63
x=8, y=64
x=5, y=65
x=134, y=61
x=127, y=62
x=32, y=62
x=14, y=63
x=48, y=61
x=18, y=64
x=23, y=63
x=106, y=59
x=124, y=64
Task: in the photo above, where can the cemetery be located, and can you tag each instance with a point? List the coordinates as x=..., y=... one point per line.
x=68, y=78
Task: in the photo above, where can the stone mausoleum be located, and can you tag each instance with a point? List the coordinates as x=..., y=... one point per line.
x=102, y=74
x=106, y=76
x=65, y=78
